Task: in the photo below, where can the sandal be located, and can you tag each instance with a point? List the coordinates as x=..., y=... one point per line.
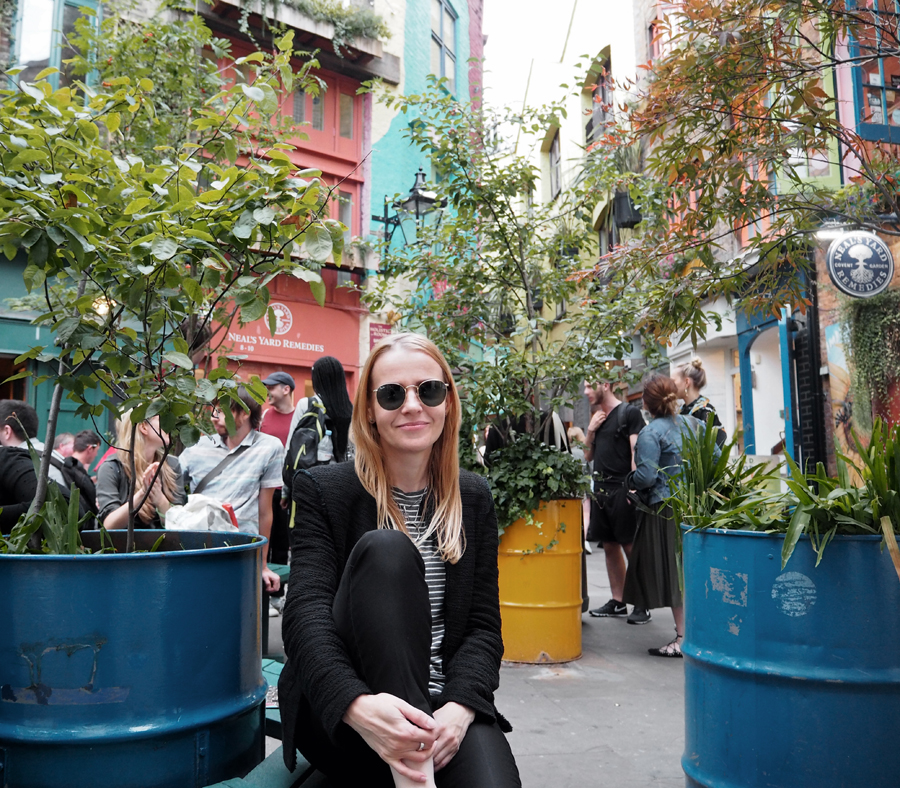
x=671, y=650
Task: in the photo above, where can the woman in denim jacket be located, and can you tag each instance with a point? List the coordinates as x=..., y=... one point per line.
x=652, y=579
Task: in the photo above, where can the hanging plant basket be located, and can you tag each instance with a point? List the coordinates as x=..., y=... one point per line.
x=626, y=212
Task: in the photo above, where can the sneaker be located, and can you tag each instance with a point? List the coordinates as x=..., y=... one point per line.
x=611, y=608
x=639, y=615
x=587, y=547
x=274, y=612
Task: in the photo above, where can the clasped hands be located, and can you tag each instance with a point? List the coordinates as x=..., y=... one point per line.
x=395, y=729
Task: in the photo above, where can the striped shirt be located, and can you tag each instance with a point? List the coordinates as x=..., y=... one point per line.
x=257, y=468
x=411, y=505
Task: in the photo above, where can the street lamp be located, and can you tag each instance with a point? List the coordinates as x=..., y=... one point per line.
x=415, y=206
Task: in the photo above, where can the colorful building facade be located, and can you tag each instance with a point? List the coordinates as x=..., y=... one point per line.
x=355, y=141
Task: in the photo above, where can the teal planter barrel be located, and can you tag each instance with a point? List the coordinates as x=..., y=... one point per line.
x=138, y=669
x=792, y=678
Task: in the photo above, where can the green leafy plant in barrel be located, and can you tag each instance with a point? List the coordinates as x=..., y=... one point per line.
x=142, y=227
x=720, y=492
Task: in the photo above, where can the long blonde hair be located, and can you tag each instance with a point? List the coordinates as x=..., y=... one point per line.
x=141, y=463
x=443, y=469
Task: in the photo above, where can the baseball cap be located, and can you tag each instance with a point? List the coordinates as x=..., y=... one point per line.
x=280, y=379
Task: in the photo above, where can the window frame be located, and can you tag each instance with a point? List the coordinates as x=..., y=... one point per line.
x=596, y=123
x=555, y=167
x=873, y=132
x=56, y=34
x=439, y=38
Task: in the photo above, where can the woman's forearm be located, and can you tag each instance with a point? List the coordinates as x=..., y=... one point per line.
x=118, y=518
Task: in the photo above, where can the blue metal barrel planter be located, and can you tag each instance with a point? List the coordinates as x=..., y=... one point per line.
x=792, y=678
x=138, y=669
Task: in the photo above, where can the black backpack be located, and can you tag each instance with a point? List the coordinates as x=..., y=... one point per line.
x=303, y=445
x=86, y=501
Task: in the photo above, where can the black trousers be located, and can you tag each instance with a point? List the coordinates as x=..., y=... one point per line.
x=382, y=614
x=280, y=537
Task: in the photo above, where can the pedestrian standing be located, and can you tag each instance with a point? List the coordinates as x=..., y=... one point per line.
x=276, y=421
x=241, y=468
x=652, y=579
x=689, y=378
x=75, y=469
x=611, y=437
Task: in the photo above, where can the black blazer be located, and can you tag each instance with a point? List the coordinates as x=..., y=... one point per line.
x=333, y=512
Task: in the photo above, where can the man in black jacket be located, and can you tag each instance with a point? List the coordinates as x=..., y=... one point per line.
x=75, y=468
x=18, y=481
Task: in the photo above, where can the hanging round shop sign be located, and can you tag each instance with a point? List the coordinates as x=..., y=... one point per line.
x=860, y=264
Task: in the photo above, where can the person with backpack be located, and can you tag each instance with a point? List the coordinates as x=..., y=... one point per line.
x=320, y=429
x=611, y=436
x=18, y=479
x=276, y=421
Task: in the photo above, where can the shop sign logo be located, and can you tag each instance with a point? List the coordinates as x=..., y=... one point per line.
x=860, y=264
x=283, y=318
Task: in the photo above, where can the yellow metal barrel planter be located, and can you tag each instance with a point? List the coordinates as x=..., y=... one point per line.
x=540, y=585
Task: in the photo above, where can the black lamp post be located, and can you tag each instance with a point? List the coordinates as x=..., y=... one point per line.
x=417, y=205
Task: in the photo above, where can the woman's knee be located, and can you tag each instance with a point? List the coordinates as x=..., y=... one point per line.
x=484, y=760
x=389, y=553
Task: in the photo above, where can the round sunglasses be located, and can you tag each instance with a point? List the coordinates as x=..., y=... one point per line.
x=431, y=393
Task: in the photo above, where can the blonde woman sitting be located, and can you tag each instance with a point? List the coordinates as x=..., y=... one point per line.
x=162, y=479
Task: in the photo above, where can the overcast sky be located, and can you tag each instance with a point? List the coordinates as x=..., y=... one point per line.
x=517, y=31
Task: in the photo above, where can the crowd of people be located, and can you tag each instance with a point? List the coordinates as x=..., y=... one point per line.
x=391, y=618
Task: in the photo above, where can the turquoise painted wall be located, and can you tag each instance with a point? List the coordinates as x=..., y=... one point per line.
x=394, y=162
x=17, y=334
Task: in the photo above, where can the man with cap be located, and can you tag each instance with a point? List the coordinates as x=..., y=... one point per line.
x=276, y=421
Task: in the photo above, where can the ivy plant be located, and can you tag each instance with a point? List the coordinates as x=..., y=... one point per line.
x=526, y=473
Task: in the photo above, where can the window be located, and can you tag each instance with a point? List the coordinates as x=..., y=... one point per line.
x=299, y=106
x=653, y=46
x=318, y=113
x=345, y=214
x=346, y=116
x=41, y=37
x=877, y=77
x=555, y=167
x=601, y=105
x=443, y=43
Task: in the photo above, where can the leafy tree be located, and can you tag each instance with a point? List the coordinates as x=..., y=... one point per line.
x=737, y=121
x=492, y=282
x=137, y=248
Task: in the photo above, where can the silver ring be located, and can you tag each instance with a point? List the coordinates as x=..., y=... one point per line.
x=421, y=746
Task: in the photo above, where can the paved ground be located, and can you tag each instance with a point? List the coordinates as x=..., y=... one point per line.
x=613, y=718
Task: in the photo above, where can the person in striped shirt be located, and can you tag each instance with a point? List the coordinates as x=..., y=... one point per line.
x=392, y=621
